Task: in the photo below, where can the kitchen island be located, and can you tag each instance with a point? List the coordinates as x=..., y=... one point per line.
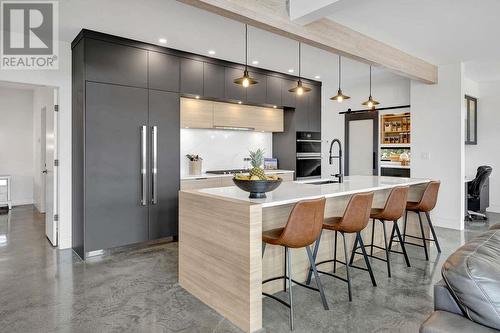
x=220, y=232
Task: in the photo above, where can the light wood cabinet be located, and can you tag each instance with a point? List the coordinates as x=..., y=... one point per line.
x=197, y=113
x=251, y=117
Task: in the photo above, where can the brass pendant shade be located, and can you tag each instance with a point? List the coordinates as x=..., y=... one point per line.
x=371, y=103
x=246, y=80
x=340, y=97
x=299, y=89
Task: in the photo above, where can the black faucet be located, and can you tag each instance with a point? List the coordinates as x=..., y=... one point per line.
x=339, y=175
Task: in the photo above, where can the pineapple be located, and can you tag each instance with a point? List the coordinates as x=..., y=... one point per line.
x=257, y=159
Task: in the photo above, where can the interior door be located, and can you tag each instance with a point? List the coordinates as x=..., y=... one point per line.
x=165, y=169
x=361, y=137
x=116, y=132
x=50, y=146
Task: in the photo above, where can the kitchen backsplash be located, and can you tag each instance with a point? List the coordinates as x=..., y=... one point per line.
x=222, y=149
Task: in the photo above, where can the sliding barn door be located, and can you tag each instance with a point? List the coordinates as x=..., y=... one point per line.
x=361, y=144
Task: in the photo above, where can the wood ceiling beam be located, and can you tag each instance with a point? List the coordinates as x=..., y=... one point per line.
x=272, y=15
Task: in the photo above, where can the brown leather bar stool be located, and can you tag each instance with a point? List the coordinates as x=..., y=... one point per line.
x=355, y=219
x=425, y=205
x=301, y=230
x=393, y=210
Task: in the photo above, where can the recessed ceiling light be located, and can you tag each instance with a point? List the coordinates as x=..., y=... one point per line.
x=317, y=77
x=255, y=62
x=162, y=40
x=211, y=52
x=291, y=70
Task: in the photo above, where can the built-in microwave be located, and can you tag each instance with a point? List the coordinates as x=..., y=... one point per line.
x=308, y=164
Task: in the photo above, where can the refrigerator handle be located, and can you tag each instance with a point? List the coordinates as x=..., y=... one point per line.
x=143, y=166
x=154, y=167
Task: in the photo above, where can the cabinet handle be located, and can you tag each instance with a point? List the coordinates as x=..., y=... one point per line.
x=154, y=168
x=143, y=165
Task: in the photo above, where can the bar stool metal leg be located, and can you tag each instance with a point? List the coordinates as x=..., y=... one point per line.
x=387, y=256
x=404, y=226
x=317, y=279
x=433, y=232
x=290, y=294
x=347, y=268
x=423, y=236
x=367, y=262
x=335, y=253
x=373, y=237
x=284, y=268
x=401, y=241
x=353, y=252
x=315, y=254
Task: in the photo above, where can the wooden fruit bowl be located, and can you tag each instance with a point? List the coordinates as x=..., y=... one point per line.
x=257, y=188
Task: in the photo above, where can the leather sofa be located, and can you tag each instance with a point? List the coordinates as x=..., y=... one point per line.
x=468, y=297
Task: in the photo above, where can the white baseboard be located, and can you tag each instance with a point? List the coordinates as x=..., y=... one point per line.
x=21, y=202
x=493, y=209
x=447, y=222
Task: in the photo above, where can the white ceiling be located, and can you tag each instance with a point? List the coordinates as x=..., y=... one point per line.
x=194, y=30
x=439, y=31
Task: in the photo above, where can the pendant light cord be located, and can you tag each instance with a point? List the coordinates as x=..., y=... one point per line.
x=299, y=58
x=246, y=46
x=340, y=67
x=370, y=80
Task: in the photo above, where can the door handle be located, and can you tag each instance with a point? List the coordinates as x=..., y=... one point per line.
x=374, y=160
x=154, y=167
x=143, y=174
x=45, y=171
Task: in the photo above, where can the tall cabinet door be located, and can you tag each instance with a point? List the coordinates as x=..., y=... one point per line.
x=164, y=123
x=114, y=214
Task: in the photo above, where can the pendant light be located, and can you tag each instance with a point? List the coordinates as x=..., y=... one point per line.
x=246, y=80
x=340, y=96
x=371, y=103
x=299, y=89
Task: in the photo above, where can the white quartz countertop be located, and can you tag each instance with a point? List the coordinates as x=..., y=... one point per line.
x=291, y=192
x=394, y=165
x=211, y=175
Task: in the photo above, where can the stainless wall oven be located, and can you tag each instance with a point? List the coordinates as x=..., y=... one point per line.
x=308, y=155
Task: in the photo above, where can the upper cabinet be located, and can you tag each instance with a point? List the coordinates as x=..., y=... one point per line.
x=113, y=63
x=256, y=94
x=273, y=95
x=208, y=114
x=164, y=71
x=197, y=113
x=288, y=98
x=213, y=81
x=307, y=114
x=234, y=91
x=315, y=109
x=191, y=76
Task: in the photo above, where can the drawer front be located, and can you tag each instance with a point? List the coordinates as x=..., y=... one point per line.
x=226, y=181
x=287, y=177
x=196, y=184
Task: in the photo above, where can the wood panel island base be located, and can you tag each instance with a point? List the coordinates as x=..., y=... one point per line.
x=220, y=232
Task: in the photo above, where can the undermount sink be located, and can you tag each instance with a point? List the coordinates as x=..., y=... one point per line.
x=324, y=182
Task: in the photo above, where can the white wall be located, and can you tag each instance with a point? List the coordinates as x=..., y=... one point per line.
x=42, y=97
x=438, y=141
x=486, y=150
x=61, y=79
x=16, y=142
x=222, y=149
x=389, y=89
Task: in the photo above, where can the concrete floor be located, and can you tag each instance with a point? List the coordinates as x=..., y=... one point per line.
x=45, y=290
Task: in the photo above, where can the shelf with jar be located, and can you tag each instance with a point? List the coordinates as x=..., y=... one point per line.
x=396, y=129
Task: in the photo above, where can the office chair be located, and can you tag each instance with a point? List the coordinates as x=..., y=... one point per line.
x=474, y=188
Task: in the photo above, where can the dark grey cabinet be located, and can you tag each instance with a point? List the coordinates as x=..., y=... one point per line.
x=191, y=76
x=233, y=91
x=315, y=109
x=273, y=95
x=164, y=71
x=114, y=63
x=257, y=93
x=289, y=99
x=114, y=215
x=164, y=123
x=213, y=81
x=302, y=113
